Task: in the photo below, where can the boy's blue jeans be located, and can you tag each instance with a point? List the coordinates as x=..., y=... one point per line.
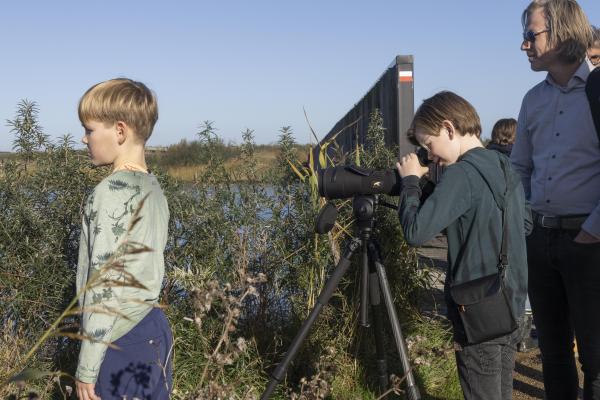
x=564, y=291
x=485, y=370
x=142, y=366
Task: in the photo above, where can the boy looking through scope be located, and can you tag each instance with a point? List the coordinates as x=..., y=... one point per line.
x=478, y=196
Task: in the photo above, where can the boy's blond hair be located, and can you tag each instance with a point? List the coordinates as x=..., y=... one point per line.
x=445, y=106
x=569, y=29
x=124, y=100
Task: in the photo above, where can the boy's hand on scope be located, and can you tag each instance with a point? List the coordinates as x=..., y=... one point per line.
x=409, y=165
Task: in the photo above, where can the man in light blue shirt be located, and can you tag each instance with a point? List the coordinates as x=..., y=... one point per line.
x=557, y=153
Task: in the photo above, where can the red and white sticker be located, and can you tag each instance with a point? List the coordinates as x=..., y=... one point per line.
x=405, y=76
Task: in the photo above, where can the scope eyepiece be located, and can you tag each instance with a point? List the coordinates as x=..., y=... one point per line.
x=423, y=156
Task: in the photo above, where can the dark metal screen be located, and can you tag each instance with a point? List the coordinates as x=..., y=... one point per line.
x=393, y=95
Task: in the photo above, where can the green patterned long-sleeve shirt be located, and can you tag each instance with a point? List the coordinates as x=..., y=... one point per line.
x=110, y=309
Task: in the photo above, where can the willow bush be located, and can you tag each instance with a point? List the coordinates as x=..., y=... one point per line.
x=243, y=269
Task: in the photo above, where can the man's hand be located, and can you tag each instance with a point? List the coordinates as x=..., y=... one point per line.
x=85, y=391
x=584, y=237
x=409, y=165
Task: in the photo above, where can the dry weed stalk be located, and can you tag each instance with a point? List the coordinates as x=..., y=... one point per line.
x=319, y=385
x=395, y=386
x=422, y=353
x=227, y=301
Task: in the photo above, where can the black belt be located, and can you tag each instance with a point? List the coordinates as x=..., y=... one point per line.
x=572, y=222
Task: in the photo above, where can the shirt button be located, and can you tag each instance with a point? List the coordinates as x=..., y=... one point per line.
x=547, y=201
x=549, y=178
x=560, y=112
x=557, y=133
x=553, y=155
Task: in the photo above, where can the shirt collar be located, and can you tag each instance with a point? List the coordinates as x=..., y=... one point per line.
x=579, y=78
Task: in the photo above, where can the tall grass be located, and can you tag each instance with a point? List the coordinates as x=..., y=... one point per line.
x=244, y=268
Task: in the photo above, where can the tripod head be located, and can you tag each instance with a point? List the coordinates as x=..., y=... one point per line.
x=363, y=207
x=364, y=212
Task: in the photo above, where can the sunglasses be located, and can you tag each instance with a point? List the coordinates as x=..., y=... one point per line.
x=529, y=36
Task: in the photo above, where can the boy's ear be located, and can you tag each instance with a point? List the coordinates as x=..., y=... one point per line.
x=122, y=131
x=449, y=127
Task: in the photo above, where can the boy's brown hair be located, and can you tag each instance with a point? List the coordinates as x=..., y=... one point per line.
x=124, y=100
x=445, y=106
x=504, y=131
x=569, y=29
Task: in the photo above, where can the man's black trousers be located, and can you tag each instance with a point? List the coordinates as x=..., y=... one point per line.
x=564, y=291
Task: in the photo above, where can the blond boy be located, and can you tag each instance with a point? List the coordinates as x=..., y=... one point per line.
x=118, y=117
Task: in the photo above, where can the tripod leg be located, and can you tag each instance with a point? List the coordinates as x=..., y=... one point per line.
x=375, y=296
x=322, y=300
x=364, y=286
x=412, y=391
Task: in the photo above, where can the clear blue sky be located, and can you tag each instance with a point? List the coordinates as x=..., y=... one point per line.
x=256, y=64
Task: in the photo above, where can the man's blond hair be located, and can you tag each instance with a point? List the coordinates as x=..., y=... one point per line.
x=123, y=100
x=569, y=33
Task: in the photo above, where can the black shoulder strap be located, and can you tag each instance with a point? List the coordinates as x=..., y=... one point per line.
x=503, y=256
x=592, y=90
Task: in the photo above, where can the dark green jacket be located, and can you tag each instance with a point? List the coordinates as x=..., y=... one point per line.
x=463, y=204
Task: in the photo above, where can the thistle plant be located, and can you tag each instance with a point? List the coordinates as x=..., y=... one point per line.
x=29, y=135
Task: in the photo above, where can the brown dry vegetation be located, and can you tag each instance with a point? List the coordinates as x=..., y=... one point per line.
x=266, y=157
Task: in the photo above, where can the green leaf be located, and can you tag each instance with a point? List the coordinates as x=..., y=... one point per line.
x=29, y=374
x=296, y=171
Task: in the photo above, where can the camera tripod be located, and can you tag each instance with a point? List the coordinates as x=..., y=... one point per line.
x=373, y=283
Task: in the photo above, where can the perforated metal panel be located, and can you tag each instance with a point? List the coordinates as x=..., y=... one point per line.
x=393, y=95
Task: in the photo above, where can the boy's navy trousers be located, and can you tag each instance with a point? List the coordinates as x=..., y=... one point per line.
x=141, y=368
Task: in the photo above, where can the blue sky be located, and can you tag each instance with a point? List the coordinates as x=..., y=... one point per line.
x=257, y=64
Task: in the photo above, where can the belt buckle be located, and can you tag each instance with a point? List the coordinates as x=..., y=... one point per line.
x=551, y=226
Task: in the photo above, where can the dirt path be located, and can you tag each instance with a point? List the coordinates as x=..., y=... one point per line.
x=527, y=378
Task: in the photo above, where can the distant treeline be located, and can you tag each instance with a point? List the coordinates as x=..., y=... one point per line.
x=189, y=153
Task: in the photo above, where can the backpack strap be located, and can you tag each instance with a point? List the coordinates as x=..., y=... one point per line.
x=592, y=90
x=503, y=256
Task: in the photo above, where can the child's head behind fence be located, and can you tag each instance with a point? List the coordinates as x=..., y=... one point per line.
x=124, y=100
x=504, y=131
